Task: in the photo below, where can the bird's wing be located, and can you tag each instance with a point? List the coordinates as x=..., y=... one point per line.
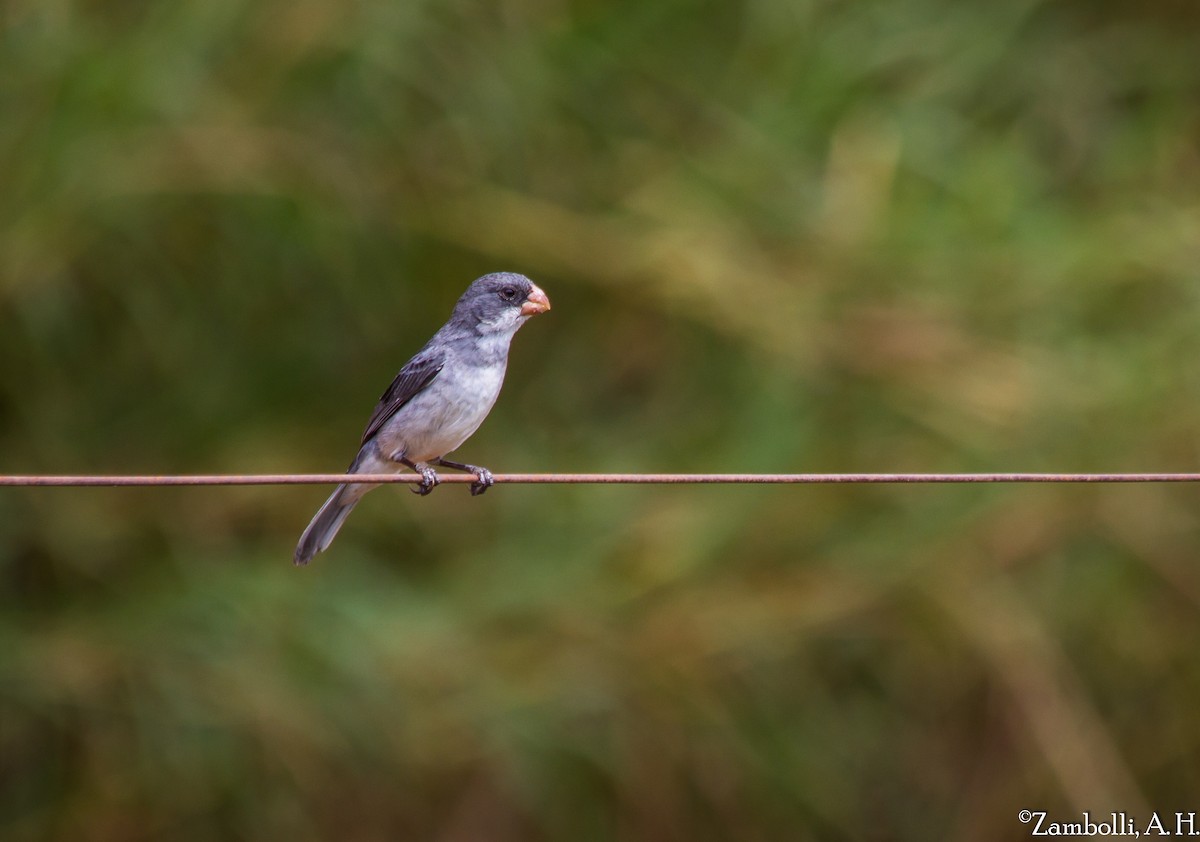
x=416, y=375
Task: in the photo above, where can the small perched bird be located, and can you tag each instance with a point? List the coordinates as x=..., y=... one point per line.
x=439, y=398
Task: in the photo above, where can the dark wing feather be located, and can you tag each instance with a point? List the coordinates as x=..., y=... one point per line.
x=415, y=376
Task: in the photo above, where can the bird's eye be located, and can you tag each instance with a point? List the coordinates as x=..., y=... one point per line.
x=508, y=293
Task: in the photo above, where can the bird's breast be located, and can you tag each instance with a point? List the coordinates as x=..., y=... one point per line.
x=440, y=418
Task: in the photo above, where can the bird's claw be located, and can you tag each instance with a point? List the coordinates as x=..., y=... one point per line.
x=485, y=481
x=429, y=481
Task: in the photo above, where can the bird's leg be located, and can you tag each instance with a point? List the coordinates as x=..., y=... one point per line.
x=481, y=485
x=429, y=477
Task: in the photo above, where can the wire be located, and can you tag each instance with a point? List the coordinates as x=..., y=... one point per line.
x=588, y=479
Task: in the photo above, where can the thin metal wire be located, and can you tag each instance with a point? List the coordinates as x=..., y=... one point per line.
x=588, y=479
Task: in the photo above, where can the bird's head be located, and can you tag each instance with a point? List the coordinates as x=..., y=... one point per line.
x=500, y=302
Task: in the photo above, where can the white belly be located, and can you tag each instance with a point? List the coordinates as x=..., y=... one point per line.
x=441, y=418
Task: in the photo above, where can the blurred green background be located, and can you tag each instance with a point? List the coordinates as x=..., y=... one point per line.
x=779, y=236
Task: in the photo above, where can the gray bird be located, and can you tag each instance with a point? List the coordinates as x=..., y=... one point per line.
x=439, y=398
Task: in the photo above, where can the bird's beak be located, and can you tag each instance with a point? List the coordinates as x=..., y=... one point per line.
x=535, y=303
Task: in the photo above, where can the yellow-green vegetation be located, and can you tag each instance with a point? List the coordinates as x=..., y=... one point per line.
x=778, y=236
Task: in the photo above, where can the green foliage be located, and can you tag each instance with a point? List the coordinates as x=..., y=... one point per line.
x=778, y=236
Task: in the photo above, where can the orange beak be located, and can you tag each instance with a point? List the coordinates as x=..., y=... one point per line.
x=535, y=303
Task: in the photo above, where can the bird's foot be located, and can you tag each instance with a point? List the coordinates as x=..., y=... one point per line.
x=485, y=481
x=429, y=480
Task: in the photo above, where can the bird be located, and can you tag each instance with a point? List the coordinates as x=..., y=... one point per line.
x=439, y=398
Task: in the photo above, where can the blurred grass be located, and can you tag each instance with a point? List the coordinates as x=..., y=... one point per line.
x=778, y=236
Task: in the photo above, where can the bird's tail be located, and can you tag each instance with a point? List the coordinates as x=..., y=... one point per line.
x=328, y=520
x=324, y=526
